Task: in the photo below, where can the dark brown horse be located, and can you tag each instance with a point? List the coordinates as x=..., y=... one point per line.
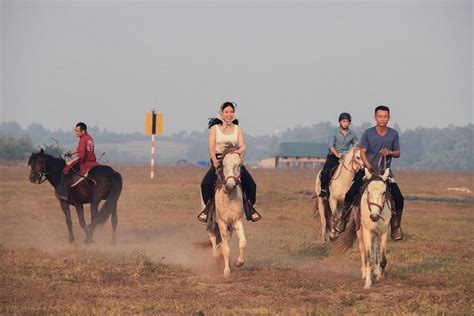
x=102, y=183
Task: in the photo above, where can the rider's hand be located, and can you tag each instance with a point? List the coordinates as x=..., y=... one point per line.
x=68, y=154
x=385, y=152
x=339, y=155
x=215, y=163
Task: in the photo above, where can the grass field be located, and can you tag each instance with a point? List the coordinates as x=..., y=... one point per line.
x=155, y=269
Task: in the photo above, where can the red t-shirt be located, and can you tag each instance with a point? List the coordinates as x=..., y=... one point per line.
x=85, y=152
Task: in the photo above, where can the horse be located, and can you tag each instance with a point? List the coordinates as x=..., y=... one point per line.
x=102, y=183
x=229, y=211
x=370, y=224
x=328, y=210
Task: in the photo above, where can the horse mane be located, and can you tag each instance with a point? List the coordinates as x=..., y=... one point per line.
x=229, y=148
x=55, y=161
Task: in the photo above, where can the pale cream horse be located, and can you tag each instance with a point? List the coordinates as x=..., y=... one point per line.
x=370, y=222
x=341, y=181
x=229, y=210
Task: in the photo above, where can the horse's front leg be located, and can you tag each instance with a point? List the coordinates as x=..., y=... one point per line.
x=322, y=218
x=383, y=250
x=368, y=258
x=239, y=230
x=212, y=238
x=67, y=213
x=80, y=216
x=225, y=247
x=333, y=235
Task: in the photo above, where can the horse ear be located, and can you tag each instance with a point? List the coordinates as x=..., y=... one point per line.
x=385, y=174
x=368, y=174
x=42, y=151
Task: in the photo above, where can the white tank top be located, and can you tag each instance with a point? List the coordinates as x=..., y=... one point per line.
x=222, y=138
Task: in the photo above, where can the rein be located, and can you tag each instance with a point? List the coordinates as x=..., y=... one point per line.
x=352, y=162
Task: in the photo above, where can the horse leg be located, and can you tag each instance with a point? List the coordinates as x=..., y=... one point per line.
x=225, y=247
x=376, y=257
x=360, y=238
x=80, y=216
x=67, y=213
x=239, y=230
x=322, y=218
x=215, y=252
x=333, y=205
x=114, y=225
x=368, y=257
x=383, y=250
x=94, y=212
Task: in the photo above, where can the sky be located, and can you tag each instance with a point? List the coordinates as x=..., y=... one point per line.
x=285, y=63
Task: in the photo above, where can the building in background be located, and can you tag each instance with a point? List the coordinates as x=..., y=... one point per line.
x=297, y=155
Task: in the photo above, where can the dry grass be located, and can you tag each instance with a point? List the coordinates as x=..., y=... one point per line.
x=154, y=268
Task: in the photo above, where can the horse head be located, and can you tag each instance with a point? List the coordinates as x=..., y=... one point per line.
x=229, y=172
x=37, y=166
x=376, y=189
x=352, y=160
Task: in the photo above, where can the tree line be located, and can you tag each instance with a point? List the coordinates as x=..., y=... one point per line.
x=449, y=148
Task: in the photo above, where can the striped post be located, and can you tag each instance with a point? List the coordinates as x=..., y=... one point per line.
x=152, y=160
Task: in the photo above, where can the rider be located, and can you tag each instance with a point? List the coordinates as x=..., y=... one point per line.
x=85, y=156
x=222, y=131
x=340, y=141
x=378, y=144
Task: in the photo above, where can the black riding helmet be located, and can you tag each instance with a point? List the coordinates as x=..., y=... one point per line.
x=345, y=116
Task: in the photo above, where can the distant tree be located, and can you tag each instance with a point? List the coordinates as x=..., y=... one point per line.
x=15, y=148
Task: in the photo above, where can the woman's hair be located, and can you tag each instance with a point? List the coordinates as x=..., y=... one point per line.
x=227, y=104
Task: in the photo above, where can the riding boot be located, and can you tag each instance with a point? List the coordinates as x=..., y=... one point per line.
x=61, y=191
x=340, y=225
x=395, y=222
x=250, y=212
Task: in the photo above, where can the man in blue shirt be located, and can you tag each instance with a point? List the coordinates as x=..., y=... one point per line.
x=378, y=144
x=339, y=143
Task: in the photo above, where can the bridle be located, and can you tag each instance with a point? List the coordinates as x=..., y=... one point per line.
x=353, y=162
x=42, y=175
x=378, y=206
x=235, y=177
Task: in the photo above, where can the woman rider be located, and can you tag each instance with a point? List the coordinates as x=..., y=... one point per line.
x=222, y=131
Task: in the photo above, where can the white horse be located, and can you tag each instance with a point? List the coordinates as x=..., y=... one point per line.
x=341, y=181
x=229, y=210
x=370, y=222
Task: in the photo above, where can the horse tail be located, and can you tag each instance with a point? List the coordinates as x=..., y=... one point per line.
x=347, y=239
x=110, y=204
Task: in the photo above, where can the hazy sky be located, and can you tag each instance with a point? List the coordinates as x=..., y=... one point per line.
x=285, y=63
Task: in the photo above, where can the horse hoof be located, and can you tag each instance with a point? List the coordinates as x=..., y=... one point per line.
x=333, y=237
x=226, y=274
x=114, y=243
x=367, y=287
x=71, y=240
x=238, y=263
x=88, y=241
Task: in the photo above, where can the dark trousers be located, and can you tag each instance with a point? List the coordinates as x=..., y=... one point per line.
x=357, y=184
x=209, y=182
x=331, y=162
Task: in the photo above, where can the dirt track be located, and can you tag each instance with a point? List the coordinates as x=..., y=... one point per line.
x=154, y=267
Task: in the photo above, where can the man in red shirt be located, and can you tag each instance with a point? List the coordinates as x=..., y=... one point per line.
x=85, y=156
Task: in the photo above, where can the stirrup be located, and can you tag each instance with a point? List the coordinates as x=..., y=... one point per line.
x=256, y=216
x=397, y=234
x=340, y=226
x=202, y=217
x=323, y=194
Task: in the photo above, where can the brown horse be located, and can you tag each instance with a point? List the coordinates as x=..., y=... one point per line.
x=102, y=183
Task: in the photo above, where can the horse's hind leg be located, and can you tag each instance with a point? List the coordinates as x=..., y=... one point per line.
x=67, y=213
x=212, y=238
x=94, y=212
x=239, y=229
x=322, y=218
x=360, y=238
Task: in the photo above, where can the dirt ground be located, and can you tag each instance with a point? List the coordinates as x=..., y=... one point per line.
x=155, y=269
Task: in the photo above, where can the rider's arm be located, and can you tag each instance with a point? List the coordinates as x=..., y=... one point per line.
x=212, y=144
x=335, y=152
x=363, y=156
x=241, y=144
